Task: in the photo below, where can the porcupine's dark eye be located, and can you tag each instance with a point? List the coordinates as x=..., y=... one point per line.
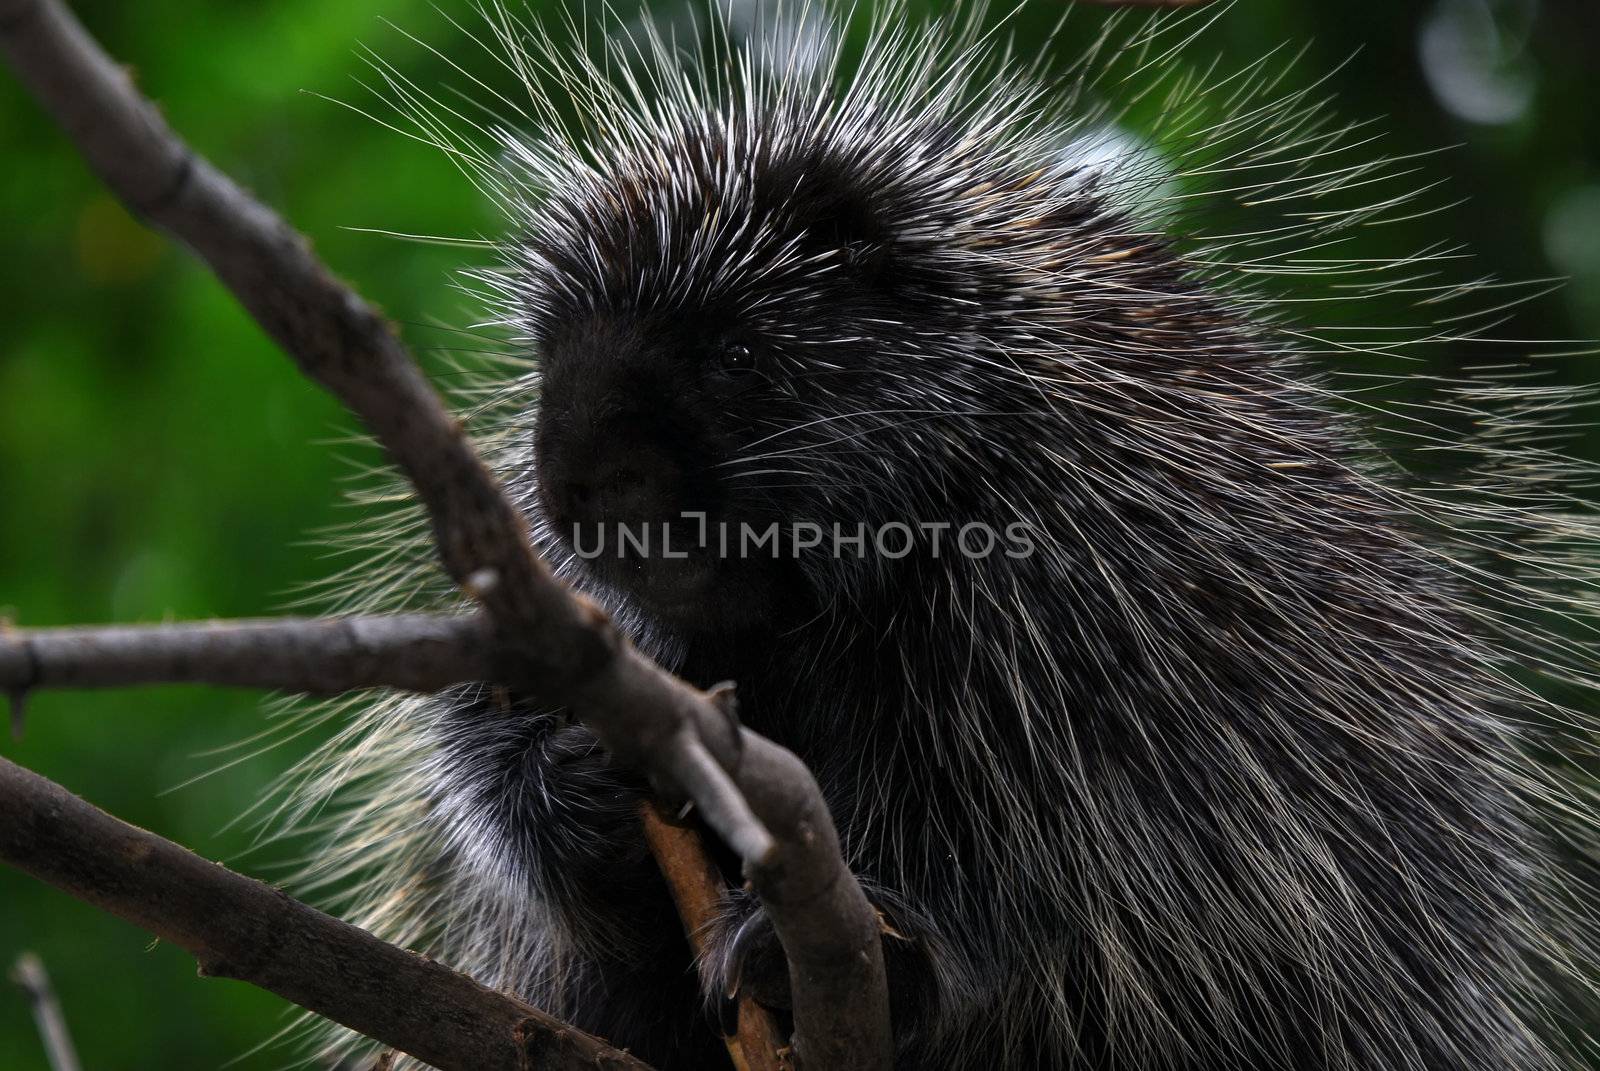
x=735, y=358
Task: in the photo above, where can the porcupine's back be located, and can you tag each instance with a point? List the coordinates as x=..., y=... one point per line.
x=1233, y=767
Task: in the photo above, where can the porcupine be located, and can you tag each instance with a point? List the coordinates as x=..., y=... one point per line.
x=1230, y=770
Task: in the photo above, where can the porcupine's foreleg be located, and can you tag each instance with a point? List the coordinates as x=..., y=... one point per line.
x=551, y=812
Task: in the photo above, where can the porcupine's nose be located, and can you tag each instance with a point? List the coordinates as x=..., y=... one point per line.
x=610, y=477
x=605, y=448
x=611, y=492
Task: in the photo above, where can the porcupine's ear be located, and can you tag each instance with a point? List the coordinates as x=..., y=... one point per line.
x=851, y=227
x=827, y=211
x=840, y=220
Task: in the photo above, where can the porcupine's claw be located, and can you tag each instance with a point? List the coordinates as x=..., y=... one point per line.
x=745, y=958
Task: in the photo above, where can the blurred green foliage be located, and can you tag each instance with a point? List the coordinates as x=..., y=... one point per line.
x=158, y=458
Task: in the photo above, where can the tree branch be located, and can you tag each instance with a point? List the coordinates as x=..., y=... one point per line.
x=831, y=934
x=550, y=643
x=331, y=655
x=320, y=656
x=237, y=927
x=559, y=646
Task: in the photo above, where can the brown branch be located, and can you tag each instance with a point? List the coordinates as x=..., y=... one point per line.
x=320, y=656
x=696, y=887
x=556, y=646
x=237, y=927
x=31, y=977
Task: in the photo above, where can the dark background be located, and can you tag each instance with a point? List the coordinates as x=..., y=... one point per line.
x=159, y=460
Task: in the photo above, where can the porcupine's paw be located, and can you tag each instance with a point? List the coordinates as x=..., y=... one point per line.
x=743, y=957
x=530, y=793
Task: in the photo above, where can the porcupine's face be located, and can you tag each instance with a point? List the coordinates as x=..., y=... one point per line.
x=707, y=337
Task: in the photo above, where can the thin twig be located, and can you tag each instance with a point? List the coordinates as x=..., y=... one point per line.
x=319, y=656
x=237, y=927
x=29, y=973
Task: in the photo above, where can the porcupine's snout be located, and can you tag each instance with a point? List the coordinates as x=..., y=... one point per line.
x=608, y=472
x=597, y=485
x=622, y=458
x=635, y=426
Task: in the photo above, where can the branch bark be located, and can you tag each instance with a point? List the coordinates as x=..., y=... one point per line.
x=831, y=934
x=548, y=642
x=237, y=927
x=319, y=656
x=826, y=925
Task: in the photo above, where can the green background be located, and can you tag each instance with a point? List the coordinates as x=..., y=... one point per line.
x=160, y=460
